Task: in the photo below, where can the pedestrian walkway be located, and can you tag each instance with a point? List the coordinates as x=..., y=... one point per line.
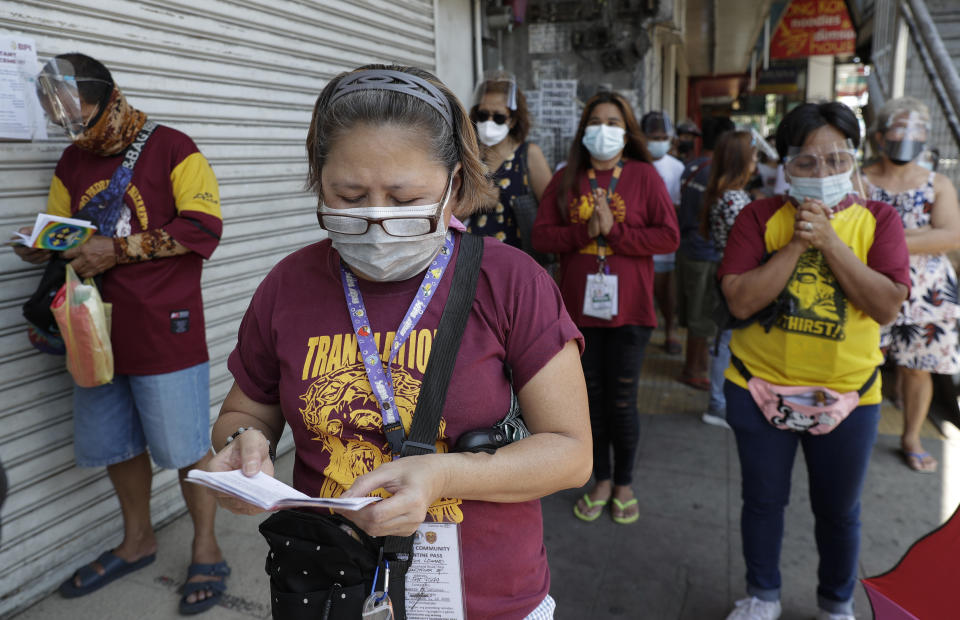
x=681, y=560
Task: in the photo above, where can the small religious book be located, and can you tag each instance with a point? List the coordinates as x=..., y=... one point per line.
x=269, y=493
x=52, y=232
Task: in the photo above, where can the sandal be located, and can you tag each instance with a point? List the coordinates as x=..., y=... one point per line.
x=672, y=346
x=624, y=518
x=215, y=587
x=90, y=580
x=591, y=504
x=920, y=462
x=700, y=383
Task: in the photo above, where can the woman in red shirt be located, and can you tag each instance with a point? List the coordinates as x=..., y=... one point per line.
x=606, y=214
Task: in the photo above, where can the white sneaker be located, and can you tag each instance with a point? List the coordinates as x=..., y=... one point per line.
x=754, y=609
x=715, y=420
x=826, y=615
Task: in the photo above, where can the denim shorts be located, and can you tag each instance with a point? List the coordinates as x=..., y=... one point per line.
x=170, y=413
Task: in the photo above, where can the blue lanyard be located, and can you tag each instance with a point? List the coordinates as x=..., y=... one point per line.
x=381, y=383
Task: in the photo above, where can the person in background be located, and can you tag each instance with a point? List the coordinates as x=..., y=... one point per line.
x=392, y=157
x=696, y=260
x=658, y=130
x=606, y=214
x=770, y=178
x=735, y=159
x=685, y=144
x=923, y=339
x=150, y=258
x=830, y=266
x=520, y=171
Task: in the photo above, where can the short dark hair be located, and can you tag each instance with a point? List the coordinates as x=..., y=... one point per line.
x=713, y=128
x=85, y=66
x=806, y=118
x=449, y=144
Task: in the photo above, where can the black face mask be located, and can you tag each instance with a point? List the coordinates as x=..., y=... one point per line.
x=902, y=152
x=685, y=146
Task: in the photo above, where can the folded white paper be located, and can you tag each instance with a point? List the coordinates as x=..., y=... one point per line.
x=269, y=493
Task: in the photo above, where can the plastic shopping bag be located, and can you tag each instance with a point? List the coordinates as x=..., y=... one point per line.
x=85, y=327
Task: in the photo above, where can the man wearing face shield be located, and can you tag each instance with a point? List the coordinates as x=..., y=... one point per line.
x=520, y=170
x=658, y=131
x=812, y=276
x=923, y=338
x=155, y=202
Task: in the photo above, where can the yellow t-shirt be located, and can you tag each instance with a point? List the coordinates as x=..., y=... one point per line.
x=821, y=339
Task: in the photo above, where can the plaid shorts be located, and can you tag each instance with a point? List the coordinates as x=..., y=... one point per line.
x=544, y=610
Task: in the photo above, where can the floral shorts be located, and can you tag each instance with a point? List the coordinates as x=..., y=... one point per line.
x=933, y=347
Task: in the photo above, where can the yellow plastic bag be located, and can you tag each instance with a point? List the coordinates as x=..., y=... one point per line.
x=85, y=327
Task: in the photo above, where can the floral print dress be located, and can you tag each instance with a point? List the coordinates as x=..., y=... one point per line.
x=925, y=335
x=511, y=179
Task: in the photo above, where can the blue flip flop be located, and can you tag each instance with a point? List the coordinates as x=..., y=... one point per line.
x=217, y=588
x=113, y=568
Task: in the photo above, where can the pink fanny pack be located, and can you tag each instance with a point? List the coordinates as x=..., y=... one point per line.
x=804, y=409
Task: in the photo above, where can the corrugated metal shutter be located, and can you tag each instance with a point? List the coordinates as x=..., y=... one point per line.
x=240, y=77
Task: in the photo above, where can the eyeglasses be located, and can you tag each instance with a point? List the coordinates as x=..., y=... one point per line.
x=485, y=115
x=810, y=164
x=395, y=225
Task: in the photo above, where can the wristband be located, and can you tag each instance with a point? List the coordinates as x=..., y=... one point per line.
x=270, y=451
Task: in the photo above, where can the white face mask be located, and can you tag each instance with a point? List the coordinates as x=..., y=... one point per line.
x=385, y=258
x=604, y=141
x=828, y=190
x=658, y=148
x=490, y=132
x=768, y=174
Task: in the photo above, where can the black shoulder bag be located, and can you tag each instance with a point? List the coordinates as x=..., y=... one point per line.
x=322, y=565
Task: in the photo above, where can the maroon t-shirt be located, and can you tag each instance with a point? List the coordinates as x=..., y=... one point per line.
x=157, y=319
x=645, y=223
x=297, y=348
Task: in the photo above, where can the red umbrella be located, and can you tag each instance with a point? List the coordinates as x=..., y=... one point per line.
x=923, y=585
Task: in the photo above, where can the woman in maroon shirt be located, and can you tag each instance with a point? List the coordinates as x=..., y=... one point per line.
x=608, y=212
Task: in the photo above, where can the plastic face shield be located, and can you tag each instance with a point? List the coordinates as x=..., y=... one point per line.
x=656, y=123
x=905, y=137
x=497, y=82
x=766, y=153
x=59, y=95
x=831, y=163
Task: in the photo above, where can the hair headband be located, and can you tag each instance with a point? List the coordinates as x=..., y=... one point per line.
x=387, y=79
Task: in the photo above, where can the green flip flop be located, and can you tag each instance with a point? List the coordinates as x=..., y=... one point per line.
x=622, y=507
x=600, y=503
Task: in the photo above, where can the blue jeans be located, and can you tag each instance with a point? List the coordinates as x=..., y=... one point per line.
x=169, y=412
x=718, y=365
x=612, y=357
x=836, y=468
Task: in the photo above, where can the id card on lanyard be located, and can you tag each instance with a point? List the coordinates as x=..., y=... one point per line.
x=600, y=295
x=434, y=581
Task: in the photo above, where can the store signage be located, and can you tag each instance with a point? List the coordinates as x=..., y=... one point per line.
x=814, y=28
x=778, y=81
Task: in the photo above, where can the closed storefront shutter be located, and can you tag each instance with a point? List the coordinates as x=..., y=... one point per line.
x=239, y=77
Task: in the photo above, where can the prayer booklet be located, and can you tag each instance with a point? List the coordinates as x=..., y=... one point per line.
x=269, y=493
x=52, y=232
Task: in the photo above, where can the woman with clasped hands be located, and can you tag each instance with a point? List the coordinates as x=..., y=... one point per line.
x=836, y=265
x=394, y=159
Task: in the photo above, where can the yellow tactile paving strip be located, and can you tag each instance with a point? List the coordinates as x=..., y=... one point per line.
x=660, y=392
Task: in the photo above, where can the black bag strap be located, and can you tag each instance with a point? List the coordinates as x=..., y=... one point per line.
x=398, y=550
x=747, y=375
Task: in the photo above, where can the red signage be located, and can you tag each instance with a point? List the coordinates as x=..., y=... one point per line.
x=814, y=28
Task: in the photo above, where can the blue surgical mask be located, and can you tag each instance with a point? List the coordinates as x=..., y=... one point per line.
x=658, y=148
x=604, y=141
x=828, y=190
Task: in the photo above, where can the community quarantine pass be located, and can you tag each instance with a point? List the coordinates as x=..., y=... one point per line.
x=434, y=583
x=600, y=296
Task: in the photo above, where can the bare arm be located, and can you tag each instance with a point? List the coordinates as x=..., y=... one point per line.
x=539, y=172
x=943, y=233
x=867, y=289
x=556, y=456
x=249, y=451
x=749, y=292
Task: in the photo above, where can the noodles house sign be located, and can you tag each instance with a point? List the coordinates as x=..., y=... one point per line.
x=814, y=28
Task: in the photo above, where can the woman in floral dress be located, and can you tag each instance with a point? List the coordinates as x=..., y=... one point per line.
x=924, y=338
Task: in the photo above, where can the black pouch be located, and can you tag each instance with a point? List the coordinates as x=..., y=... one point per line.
x=37, y=308
x=320, y=566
